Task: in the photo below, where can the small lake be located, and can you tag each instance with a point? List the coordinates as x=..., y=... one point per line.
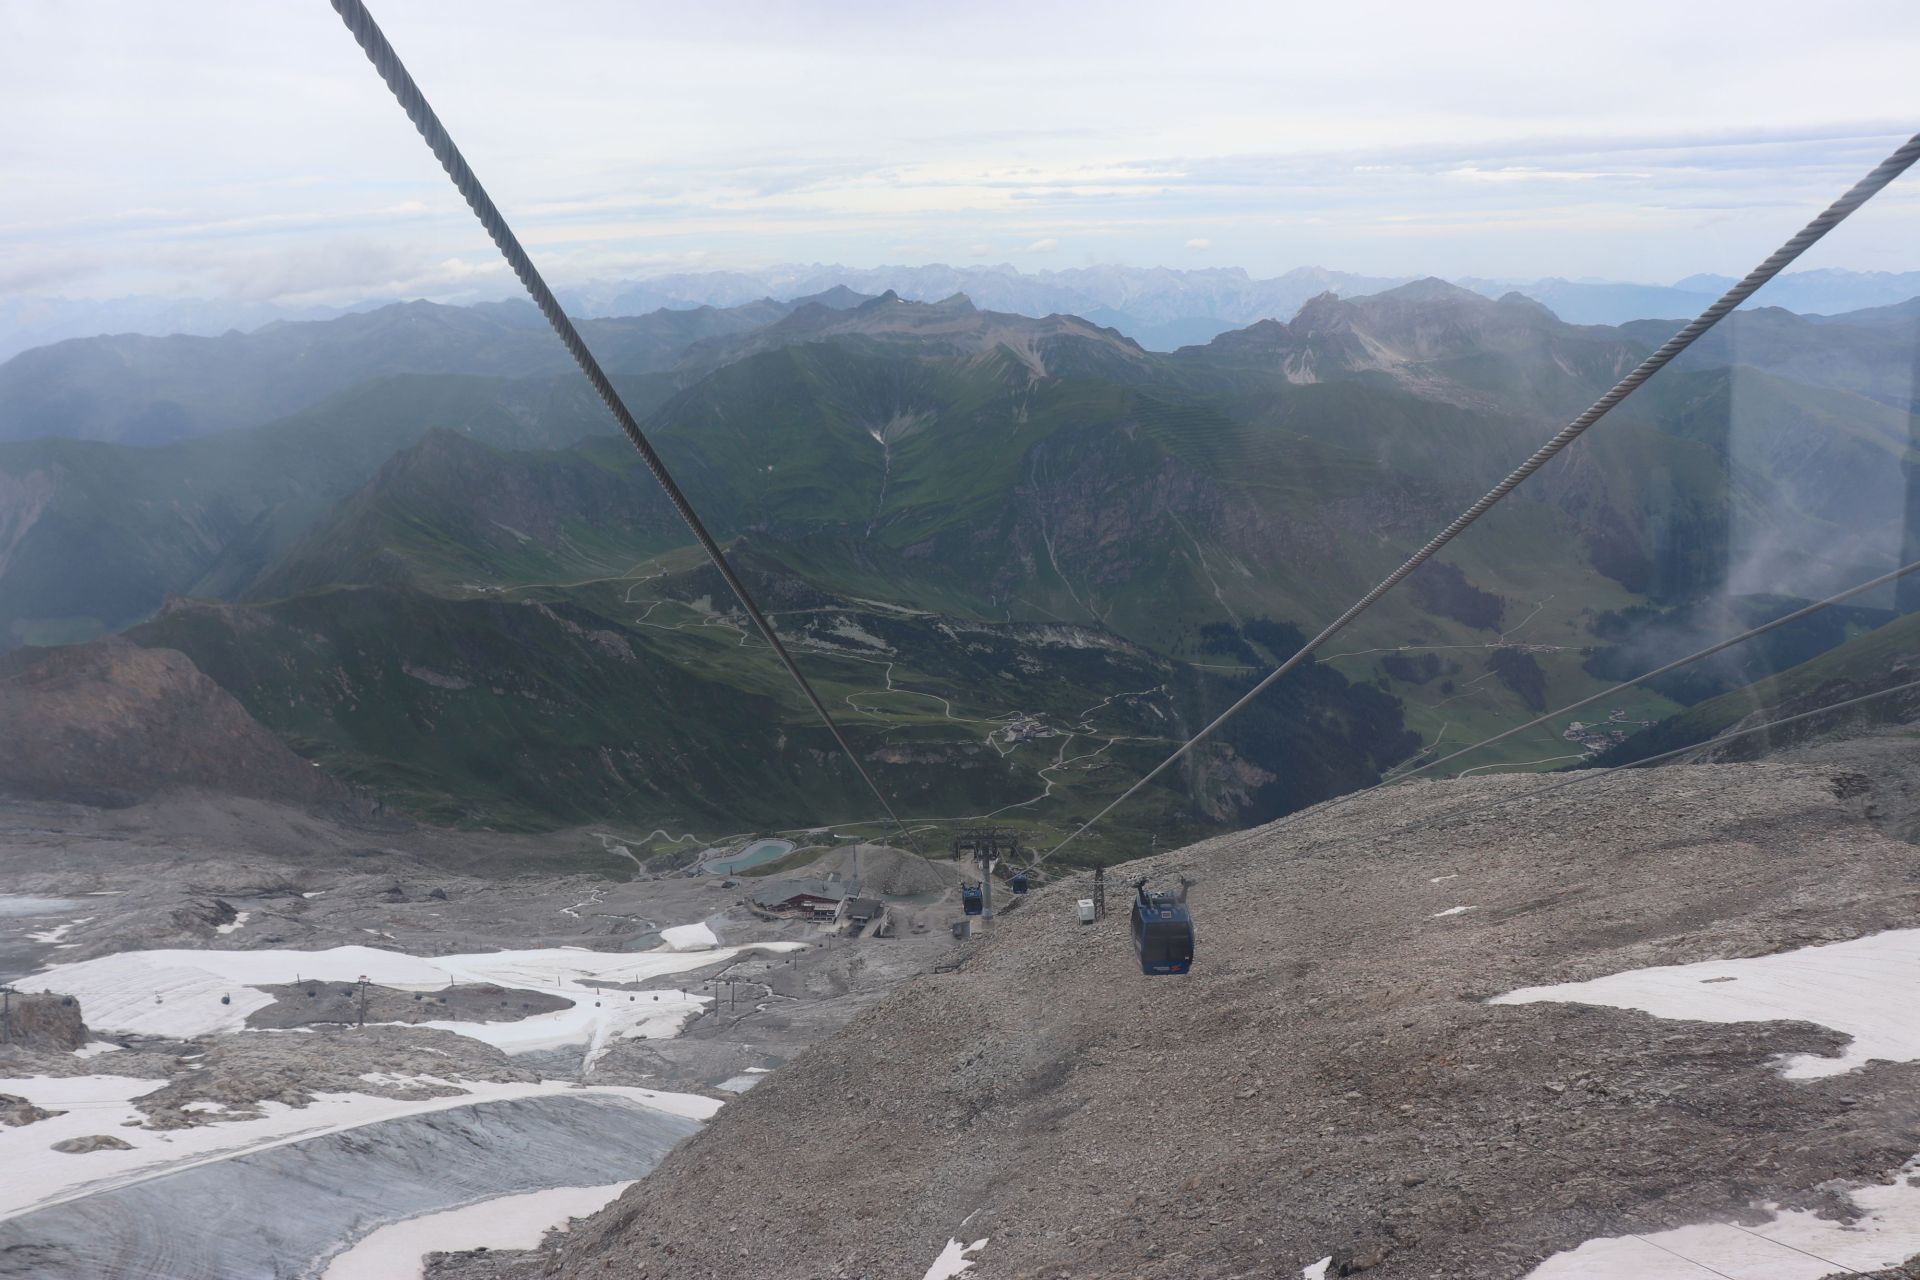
x=760, y=851
x=15, y=904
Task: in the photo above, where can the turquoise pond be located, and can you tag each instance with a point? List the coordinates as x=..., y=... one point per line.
x=752, y=856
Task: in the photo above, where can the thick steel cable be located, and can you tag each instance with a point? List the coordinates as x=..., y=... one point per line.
x=1342, y=803
x=1351, y=798
x=1889, y=169
x=1675, y=665
x=374, y=43
x=1575, y=779
x=1590, y=775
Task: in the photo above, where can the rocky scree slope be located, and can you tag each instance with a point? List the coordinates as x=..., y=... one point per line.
x=1330, y=1078
x=111, y=723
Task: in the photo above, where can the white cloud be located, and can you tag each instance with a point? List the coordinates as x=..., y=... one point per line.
x=235, y=130
x=979, y=250
x=1199, y=243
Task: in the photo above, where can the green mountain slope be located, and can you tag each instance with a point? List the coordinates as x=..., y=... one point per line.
x=94, y=535
x=1198, y=490
x=1887, y=656
x=142, y=390
x=537, y=712
x=1024, y=558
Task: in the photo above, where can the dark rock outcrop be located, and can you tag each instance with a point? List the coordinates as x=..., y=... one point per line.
x=45, y=1020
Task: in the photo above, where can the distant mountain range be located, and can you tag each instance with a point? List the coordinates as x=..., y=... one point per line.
x=1159, y=307
x=440, y=575
x=1162, y=307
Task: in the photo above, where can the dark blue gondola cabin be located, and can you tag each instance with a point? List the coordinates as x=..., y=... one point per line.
x=972, y=900
x=1162, y=933
x=1017, y=882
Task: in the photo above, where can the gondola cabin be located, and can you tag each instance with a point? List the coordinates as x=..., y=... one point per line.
x=1162, y=933
x=972, y=899
x=1017, y=882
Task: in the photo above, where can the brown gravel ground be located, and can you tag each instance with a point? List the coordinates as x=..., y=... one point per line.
x=1329, y=1078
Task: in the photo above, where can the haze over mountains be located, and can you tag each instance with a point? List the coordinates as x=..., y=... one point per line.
x=407, y=541
x=1159, y=307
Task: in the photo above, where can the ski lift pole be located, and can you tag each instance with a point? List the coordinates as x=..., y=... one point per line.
x=985, y=854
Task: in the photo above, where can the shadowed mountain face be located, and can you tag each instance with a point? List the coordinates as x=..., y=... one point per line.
x=970, y=469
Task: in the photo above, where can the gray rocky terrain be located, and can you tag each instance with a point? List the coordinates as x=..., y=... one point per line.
x=196, y=870
x=1330, y=1079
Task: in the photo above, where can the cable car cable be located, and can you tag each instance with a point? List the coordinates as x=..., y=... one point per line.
x=374, y=44
x=1343, y=801
x=1892, y=167
x=1575, y=779
x=1351, y=797
x=1591, y=775
x=1675, y=665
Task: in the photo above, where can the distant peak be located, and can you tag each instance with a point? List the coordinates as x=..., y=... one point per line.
x=838, y=298
x=1517, y=299
x=1319, y=307
x=1431, y=289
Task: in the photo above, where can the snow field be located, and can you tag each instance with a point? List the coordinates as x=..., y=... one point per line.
x=1867, y=988
x=1796, y=1245
x=398, y=1251
x=177, y=993
x=689, y=937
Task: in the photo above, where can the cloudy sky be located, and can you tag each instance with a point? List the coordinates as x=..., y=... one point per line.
x=246, y=150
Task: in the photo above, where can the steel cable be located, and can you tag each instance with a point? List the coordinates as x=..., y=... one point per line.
x=1591, y=775
x=1675, y=665
x=1244, y=838
x=1892, y=167
x=374, y=44
x=1343, y=802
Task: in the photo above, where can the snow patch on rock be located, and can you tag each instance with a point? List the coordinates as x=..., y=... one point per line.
x=177, y=993
x=398, y=1251
x=1795, y=1245
x=953, y=1260
x=689, y=937
x=1867, y=988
